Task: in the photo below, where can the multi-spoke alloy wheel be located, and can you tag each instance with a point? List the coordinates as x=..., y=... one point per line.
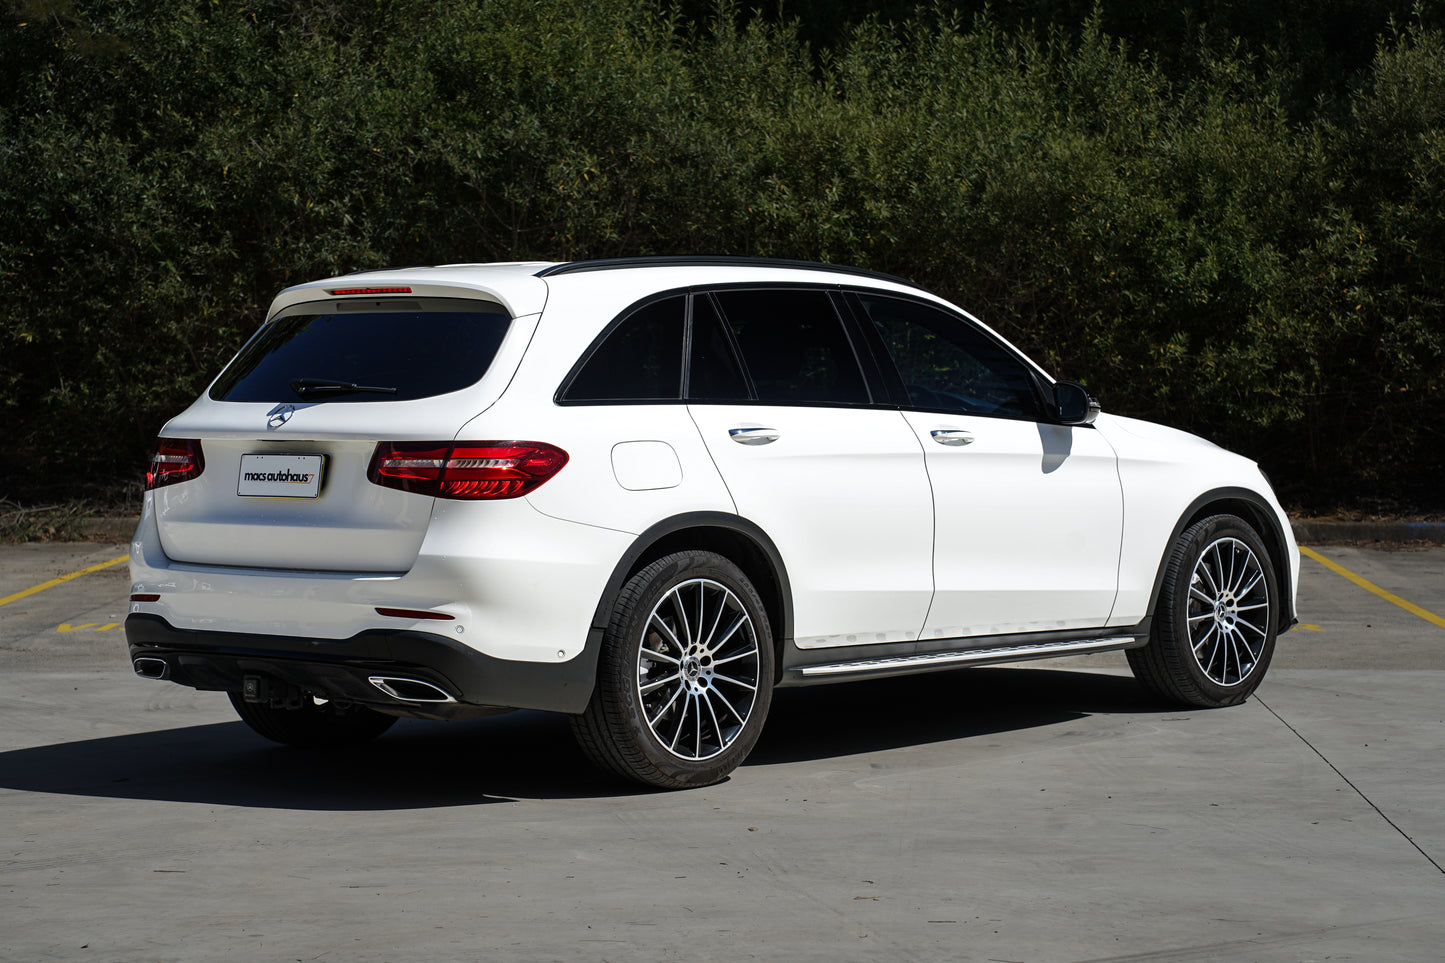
x=697, y=669
x=684, y=678
x=1214, y=627
x=1228, y=611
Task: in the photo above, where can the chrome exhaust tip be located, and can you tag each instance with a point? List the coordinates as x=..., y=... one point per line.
x=410, y=690
x=148, y=667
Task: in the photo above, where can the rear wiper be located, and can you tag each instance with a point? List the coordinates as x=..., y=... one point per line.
x=311, y=387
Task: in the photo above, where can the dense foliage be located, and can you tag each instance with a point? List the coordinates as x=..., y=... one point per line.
x=1235, y=227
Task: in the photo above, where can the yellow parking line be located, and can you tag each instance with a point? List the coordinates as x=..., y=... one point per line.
x=61, y=580
x=1369, y=586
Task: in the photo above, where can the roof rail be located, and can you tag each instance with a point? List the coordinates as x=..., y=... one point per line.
x=686, y=260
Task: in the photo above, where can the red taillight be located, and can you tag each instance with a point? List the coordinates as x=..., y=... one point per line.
x=390, y=290
x=465, y=469
x=174, y=460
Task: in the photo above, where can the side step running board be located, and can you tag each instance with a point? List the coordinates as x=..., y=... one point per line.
x=1004, y=653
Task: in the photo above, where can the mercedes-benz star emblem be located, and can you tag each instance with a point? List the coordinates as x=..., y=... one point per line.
x=279, y=416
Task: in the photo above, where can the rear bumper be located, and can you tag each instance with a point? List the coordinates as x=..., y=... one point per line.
x=514, y=584
x=342, y=669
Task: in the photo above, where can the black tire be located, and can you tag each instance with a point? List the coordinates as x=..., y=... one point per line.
x=327, y=726
x=677, y=706
x=1216, y=619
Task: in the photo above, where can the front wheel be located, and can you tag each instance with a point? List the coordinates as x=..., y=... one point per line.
x=1216, y=618
x=313, y=726
x=684, y=678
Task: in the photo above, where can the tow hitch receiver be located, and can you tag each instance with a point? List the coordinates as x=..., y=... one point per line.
x=278, y=695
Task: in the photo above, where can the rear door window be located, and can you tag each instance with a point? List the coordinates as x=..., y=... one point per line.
x=794, y=347
x=713, y=373
x=406, y=348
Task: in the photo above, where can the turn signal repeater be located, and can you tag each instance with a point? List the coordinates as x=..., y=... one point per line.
x=465, y=469
x=174, y=460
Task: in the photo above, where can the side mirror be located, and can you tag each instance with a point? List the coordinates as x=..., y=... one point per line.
x=1073, y=405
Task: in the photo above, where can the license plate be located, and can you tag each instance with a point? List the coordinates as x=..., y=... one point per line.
x=280, y=476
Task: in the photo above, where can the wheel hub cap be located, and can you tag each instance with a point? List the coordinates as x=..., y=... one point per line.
x=695, y=672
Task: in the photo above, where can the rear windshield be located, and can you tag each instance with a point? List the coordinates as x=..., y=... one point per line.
x=358, y=351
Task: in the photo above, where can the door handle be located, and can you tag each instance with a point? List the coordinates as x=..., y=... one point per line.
x=952, y=436
x=753, y=436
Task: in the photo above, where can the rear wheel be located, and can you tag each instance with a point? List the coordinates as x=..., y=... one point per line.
x=313, y=726
x=1215, y=623
x=684, y=678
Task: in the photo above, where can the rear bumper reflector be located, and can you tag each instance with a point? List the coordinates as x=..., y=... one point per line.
x=415, y=614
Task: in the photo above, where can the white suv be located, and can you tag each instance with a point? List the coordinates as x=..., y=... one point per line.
x=647, y=492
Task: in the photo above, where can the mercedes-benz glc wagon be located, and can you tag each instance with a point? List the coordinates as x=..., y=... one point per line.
x=646, y=493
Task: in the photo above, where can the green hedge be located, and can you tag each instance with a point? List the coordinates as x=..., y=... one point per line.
x=1180, y=235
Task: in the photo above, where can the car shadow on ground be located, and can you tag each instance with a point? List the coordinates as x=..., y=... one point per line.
x=531, y=755
x=827, y=721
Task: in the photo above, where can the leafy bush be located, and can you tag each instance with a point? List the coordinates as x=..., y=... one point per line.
x=1184, y=229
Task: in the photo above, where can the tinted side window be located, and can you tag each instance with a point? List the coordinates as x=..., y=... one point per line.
x=421, y=347
x=641, y=360
x=794, y=347
x=947, y=364
x=714, y=374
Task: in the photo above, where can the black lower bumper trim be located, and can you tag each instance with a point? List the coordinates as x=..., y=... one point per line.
x=340, y=669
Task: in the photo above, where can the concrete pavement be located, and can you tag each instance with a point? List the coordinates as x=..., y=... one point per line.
x=1037, y=813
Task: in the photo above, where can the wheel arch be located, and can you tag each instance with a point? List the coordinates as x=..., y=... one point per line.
x=1253, y=508
x=740, y=541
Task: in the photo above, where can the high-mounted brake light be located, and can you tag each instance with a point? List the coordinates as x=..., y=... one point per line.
x=465, y=469
x=391, y=290
x=175, y=460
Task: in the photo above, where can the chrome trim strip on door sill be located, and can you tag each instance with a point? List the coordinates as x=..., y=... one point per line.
x=1036, y=651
